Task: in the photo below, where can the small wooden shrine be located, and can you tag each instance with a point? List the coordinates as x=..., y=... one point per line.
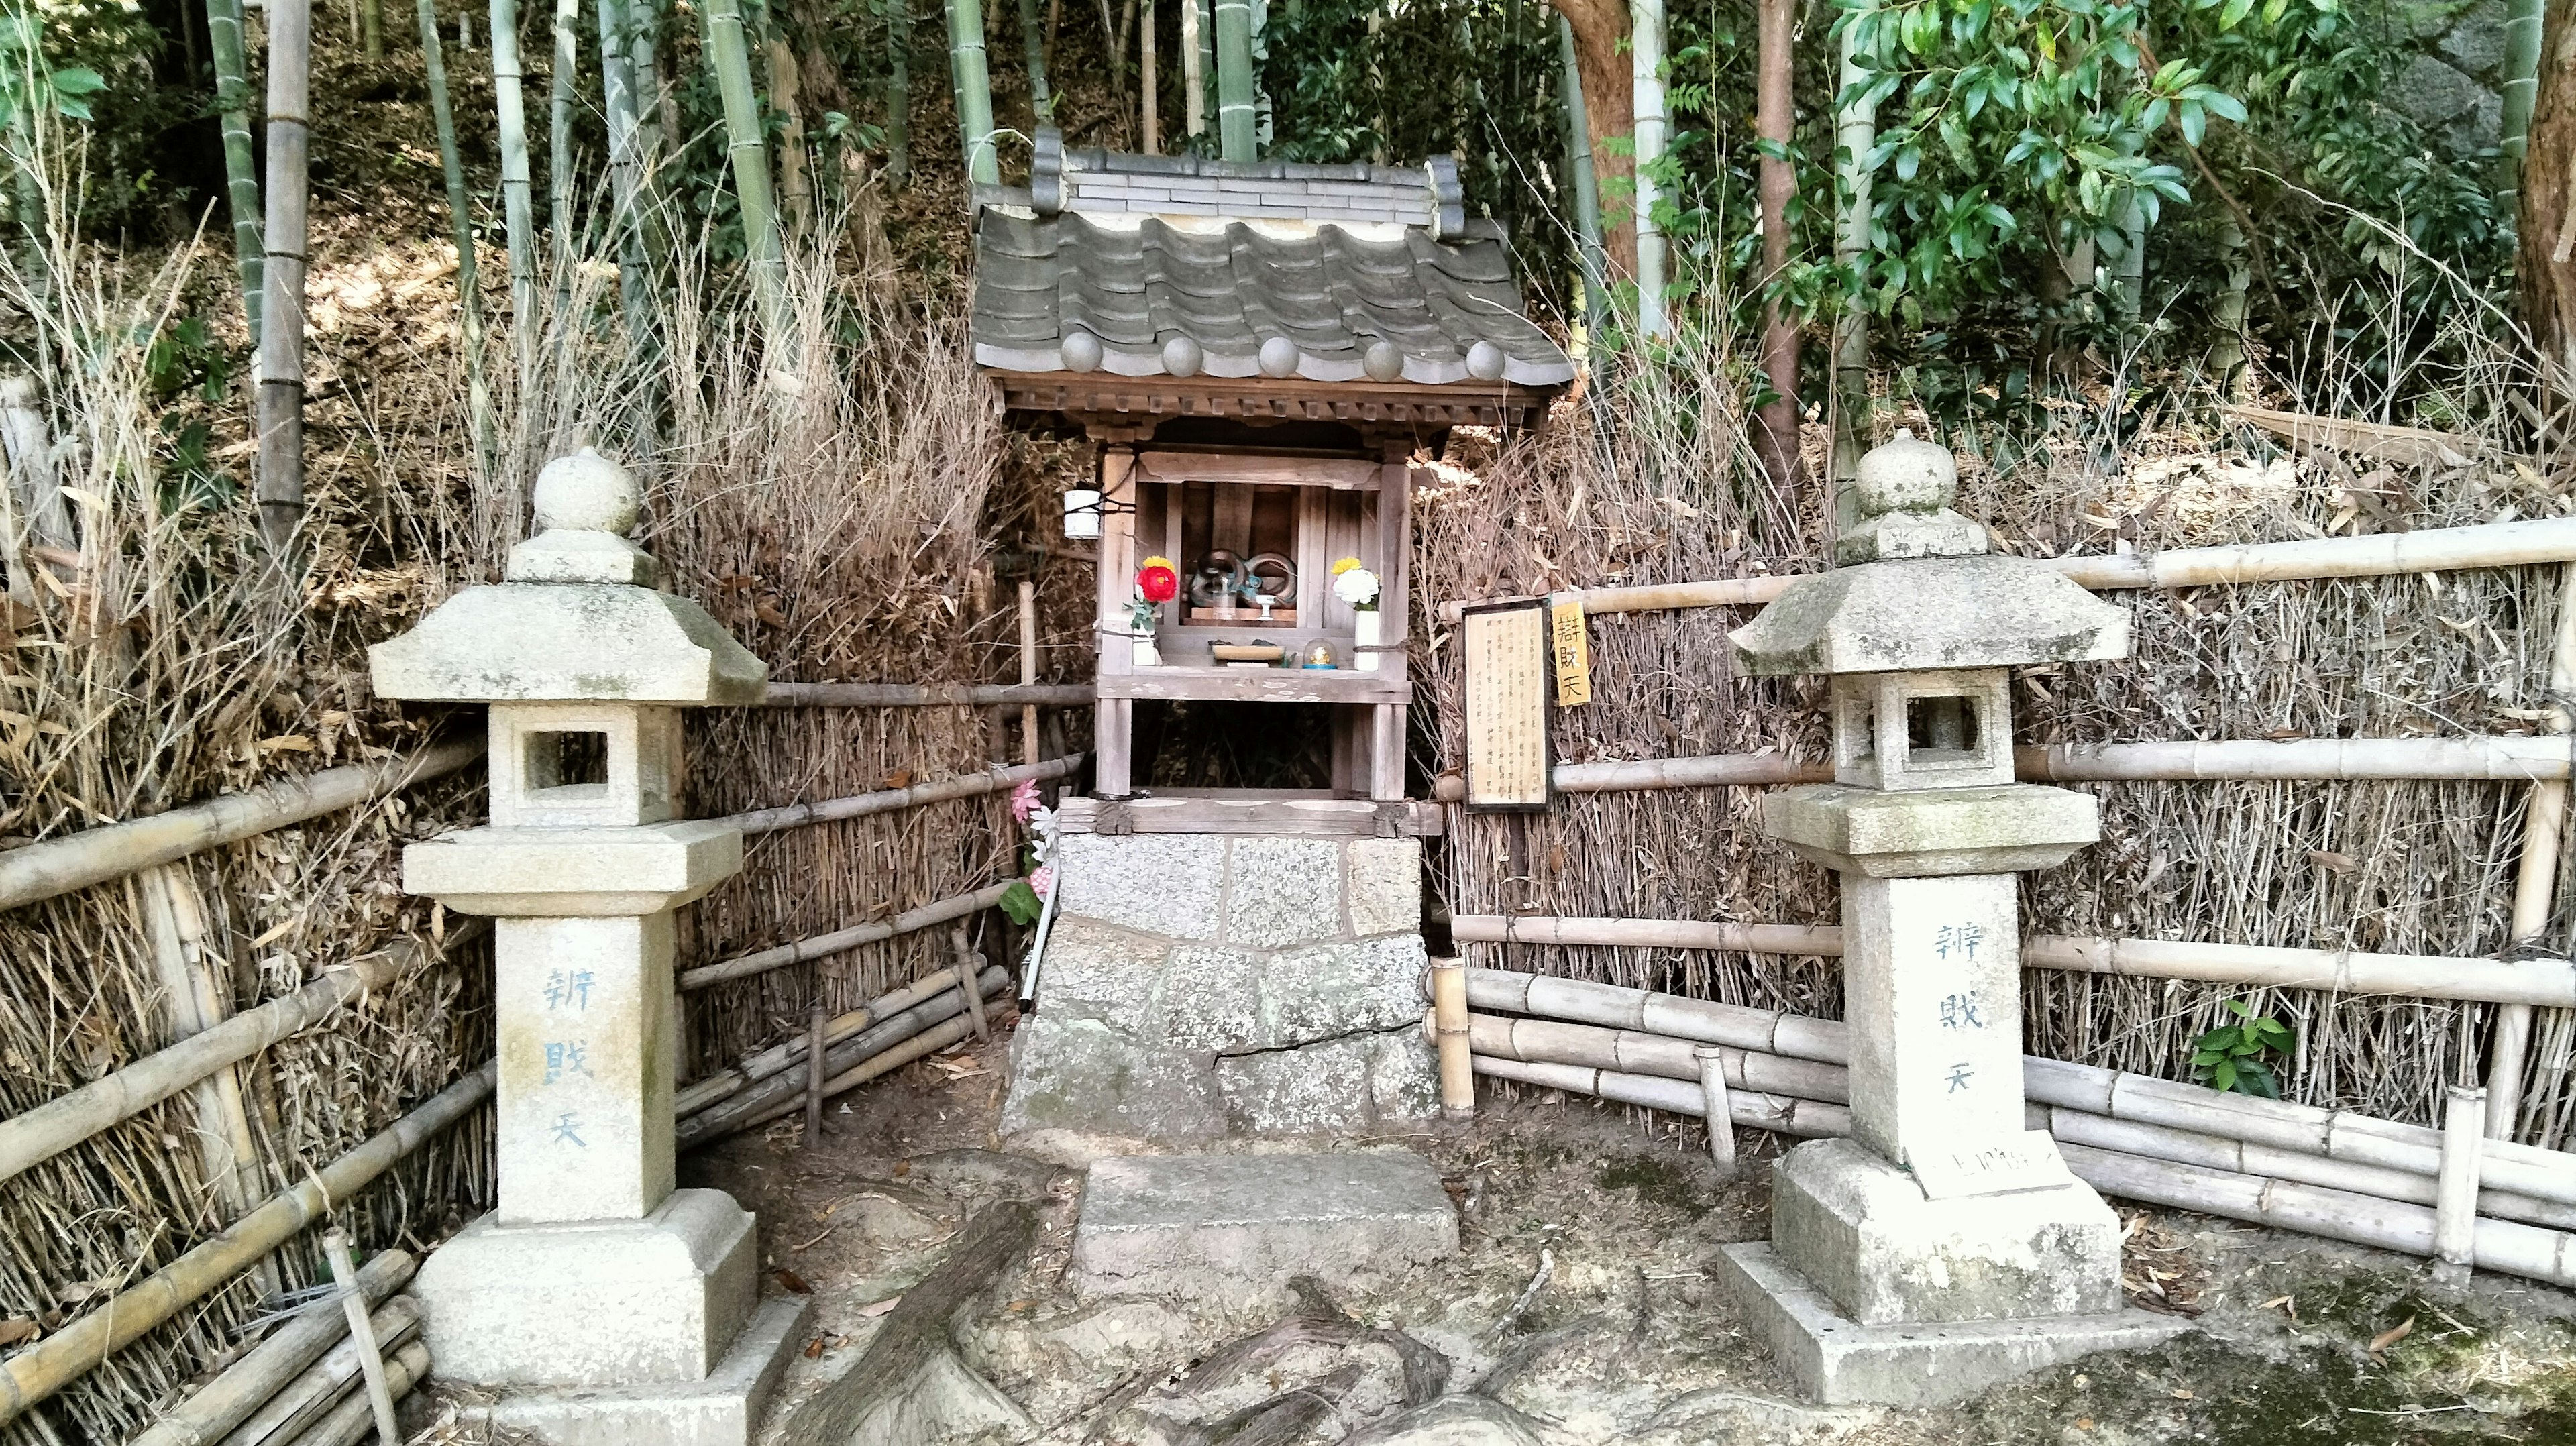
x=1258, y=349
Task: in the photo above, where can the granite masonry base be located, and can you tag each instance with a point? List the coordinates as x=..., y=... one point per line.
x=1199, y=986
x=1834, y=1361
x=1234, y=1229
x=722, y=1410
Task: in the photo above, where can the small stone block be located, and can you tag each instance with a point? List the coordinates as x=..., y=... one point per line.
x=1228, y=1227
x=1385, y=891
x=1836, y=1362
x=1283, y=891
x=1167, y=884
x=722, y=1410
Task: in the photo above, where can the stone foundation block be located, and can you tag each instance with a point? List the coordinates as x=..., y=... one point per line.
x=1861, y=1230
x=722, y=1410
x=591, y=1303
x=1234, y=1228
x=1837, y=1361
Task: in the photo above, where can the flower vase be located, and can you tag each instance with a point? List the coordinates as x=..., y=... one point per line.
x=1364, y=638
x=1147, y=655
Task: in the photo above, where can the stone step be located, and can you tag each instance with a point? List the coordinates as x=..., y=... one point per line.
x=1236, y=1227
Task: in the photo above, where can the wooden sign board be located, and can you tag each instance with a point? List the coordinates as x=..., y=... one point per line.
x=1509, y=673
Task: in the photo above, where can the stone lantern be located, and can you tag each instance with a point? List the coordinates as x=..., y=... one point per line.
x=600, y=1302
x=1944, y=1246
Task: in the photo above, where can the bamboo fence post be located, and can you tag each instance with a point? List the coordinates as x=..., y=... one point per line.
x=1237, y=127
x=1029, y=660
x=1715, y=1108
x=1449, y=1034
x=39, y=1370
x=2455, y=1203
x=281, y=293
x=362, y=1331
x=251, y=1382
x=729, y=53
x=816, y=1052
x=191, y=1004
x=968, y=969
x=898, y=93
x=518, y=201
x=460, y=220
x=974, y=89
x=2535, y=884
x=302, y=1403
x=241, y=168
x=43, y=870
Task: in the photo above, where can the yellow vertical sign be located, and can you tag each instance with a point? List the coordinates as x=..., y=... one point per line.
x=1573, y=652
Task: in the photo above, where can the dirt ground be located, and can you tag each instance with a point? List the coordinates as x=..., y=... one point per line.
x=1583, y=1307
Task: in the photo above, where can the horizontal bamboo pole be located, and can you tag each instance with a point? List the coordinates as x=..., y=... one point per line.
x=778, y=1059
x=2385, y=554
x=2546, y=982
x=2502, y=1245
x=29, y=1139
x=783, y=1091
x=61, y=1358
x=892, y=800
x=353, y=1419
x=263, y=1371
x=917, y=695
x=58, y=866
x=2528, y=1170
x=1805, y=1118
x=743, y=966
x=1553, y=1042
x=2513, y=758
x=310, y=1396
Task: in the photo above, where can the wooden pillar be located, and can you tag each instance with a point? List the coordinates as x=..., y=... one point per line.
x=1114, y=719
x=1028, y=667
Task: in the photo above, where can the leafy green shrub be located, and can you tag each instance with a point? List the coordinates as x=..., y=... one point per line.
x=2231, y=1057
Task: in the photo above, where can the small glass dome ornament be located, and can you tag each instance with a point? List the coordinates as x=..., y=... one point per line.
x=1320, y=655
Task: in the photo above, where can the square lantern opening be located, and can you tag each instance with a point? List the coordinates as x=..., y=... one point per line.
x=1922, y=730
x=583, y=765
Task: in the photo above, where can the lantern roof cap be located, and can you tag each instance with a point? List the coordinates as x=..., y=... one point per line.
x=577, y=619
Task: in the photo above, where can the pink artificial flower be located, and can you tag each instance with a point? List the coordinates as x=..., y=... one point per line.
x=1024, y=799
x=1042, y=880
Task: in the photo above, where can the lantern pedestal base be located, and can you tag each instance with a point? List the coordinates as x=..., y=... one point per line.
x=722, y=1410
x=1835, y=1361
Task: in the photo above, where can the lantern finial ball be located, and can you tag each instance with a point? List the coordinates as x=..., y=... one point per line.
x=587, y=492
x=1905, y=475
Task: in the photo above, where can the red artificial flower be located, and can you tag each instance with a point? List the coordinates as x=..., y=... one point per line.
x=1156, y=582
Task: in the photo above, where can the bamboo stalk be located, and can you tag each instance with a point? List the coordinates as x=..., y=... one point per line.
x=311, y=1396
x=1237, y=128
x=241, y=168
x=1714, y=1108
x=2387, y=554
x=2535, y=885
x=281, y=293
x=2548, y=982
x=1855, y=131
x=778, y=1059
x=1579, y=178
x=40, y=1370
x=898, y=93
x=1193, y=72
x=1650, y=131
x=262, y=1372
x=1029, y=652
x=58, y=866
x=1148, y=92
x=362, y=1333
x=786, y=96
x=917, y=695
x=1033, y=41
x=518, y=202
x=460, y=222
x=2521, y=92
x=816, y=1055
x=629, y=190
x=560, y=87
x=973, y=85
x=942, y=1019
x=894, y=800
x=729, y=53
x=1450, y=1037
x=347, y=1424
x=743, y=966
x=2455, y=1201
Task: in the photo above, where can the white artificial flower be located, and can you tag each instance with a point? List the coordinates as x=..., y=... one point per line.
x=1358, y=587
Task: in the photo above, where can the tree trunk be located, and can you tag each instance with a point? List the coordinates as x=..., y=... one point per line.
x=1773, y=121
x=1608, y=107
x=2547, y=266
